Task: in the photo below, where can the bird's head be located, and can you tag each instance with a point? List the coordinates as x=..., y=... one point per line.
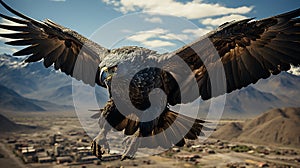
x=106, y=75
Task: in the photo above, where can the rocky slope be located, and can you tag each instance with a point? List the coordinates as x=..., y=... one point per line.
x=277, y=126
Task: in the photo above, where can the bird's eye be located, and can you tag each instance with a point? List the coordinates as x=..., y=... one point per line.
x=103, y=76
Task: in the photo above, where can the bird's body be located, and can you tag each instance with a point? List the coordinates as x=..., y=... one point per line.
x=145, y=83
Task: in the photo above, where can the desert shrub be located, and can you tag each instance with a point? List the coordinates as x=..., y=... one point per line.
x=241, y=148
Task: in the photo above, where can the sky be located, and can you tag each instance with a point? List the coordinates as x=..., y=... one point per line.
x=156, y=24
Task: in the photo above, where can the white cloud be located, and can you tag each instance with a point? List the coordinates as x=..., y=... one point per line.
x=166, y=35
x=221, y=20
x=145, y=35
x=111, y=2
x=141, y=37
x=195, y=9
x=159, y=37
x=158, y=43
x=154, y=38
x=198, y=32
x=154, y=20
x=172, y=36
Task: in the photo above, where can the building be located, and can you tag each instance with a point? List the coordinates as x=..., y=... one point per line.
x=89, y=159
x=58, y=149
x=64, y=159
x=47, y=159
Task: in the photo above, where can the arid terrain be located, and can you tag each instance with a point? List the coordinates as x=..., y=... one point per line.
x=56, y=139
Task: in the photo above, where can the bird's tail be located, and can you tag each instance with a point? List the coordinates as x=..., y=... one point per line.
x=172, y=130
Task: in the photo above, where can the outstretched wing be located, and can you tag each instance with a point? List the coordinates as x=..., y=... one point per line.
x=248, y=50
x=70, y=52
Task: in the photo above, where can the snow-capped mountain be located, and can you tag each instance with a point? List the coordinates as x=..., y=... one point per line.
x=34, y=81
x=26, y=79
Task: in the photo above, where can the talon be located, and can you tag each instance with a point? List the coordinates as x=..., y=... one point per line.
x=96, y=150
x=124, y=157
x=100, y=147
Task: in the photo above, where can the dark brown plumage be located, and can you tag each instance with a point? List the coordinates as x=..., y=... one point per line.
x=245, y=51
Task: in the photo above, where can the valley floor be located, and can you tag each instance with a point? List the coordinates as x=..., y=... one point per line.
x=59, y=137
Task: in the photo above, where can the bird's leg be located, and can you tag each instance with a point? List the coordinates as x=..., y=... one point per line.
x=100, y=144
x=126, y=142
x=131, y=145
x=145, y=129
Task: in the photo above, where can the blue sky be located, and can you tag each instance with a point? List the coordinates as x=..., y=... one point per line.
x=86, y=17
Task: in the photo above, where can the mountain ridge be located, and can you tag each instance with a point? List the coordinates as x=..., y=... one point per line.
x=279, y=126
x=12, y=101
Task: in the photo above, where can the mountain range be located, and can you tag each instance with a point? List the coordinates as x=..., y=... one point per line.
x=43, y=88
x=10, y=100
x=274, y=127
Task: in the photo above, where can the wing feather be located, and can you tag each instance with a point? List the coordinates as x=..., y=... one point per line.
x=54, y=44
x=53, y=55
x=19, y=21
x=249, y=50
x=26, y=51
x=24, y=35
x=16, y=28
